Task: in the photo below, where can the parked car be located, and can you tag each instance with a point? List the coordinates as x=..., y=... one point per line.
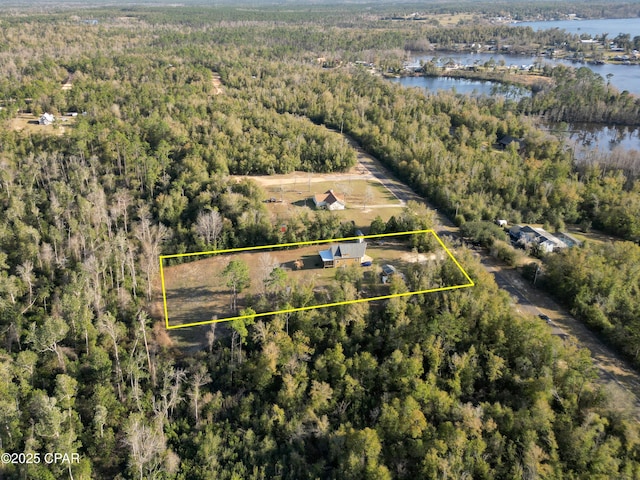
x=544, y=317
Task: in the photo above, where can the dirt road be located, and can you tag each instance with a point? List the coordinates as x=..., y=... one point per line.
x=376, y=170
x=613, y=369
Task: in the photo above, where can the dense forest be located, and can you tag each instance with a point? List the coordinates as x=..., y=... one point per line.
x=599, y=283
x=449, y=385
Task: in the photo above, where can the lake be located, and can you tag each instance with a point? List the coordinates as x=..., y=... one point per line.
x=612, y=26
x=625, y=77
x=589, y=140
x=586, y=140
x=461, y=85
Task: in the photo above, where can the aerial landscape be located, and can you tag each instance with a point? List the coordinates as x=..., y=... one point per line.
x=320, y=240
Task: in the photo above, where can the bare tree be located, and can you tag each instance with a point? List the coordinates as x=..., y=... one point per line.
x=199, y=378
x=208, y=227
x=211, y=334
x=115, y=331
x=147, y=444
x=346, y=189
x=172, y=379
x=25, y=271
x=151, y=237
x=143, y=317
x=123, y=200
x=266, y=264
x=368, y=197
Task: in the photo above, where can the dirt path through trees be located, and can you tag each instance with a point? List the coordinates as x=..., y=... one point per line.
x=613, y=370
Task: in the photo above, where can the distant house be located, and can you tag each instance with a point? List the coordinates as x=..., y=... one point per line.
x=536, y=236
x=344, y=254
x=329, y=200
x=507, y=140
x=46, y=119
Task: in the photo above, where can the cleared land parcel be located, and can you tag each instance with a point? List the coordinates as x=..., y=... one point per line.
x=271, y=279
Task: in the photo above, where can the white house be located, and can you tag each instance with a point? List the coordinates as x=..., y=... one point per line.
x=329, y=200
x=46, y=119
x=528, y=235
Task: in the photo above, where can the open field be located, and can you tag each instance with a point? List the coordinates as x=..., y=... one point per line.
x=353, y=189
x=445, y=19
x=197, y=292
x=388, y=194
x=28, y=122
x=365, y=198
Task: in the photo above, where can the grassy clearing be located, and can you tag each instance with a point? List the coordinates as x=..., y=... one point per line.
x=452, y=20
x=27, y=122
x=197, y=291
x=353, y=190
x=293, y=198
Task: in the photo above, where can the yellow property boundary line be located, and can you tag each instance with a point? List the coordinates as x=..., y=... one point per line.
x=311, y=307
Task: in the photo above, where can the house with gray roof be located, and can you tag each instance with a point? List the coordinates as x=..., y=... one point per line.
x=343, y=254
x=528, y=235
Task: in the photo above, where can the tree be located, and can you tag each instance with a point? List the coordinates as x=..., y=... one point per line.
x=147, y=444
x=276, y=281
x=199, y=378
x=115, y=331
x=266, y=264
x=240, y=332
x=237, y=275
x=367, y=197
x=484, y=233
x=208, y=227
x=47, y=337
x=377, y=226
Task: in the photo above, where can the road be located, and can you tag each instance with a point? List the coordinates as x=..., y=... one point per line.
x=374, y=169
x=613, y=370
